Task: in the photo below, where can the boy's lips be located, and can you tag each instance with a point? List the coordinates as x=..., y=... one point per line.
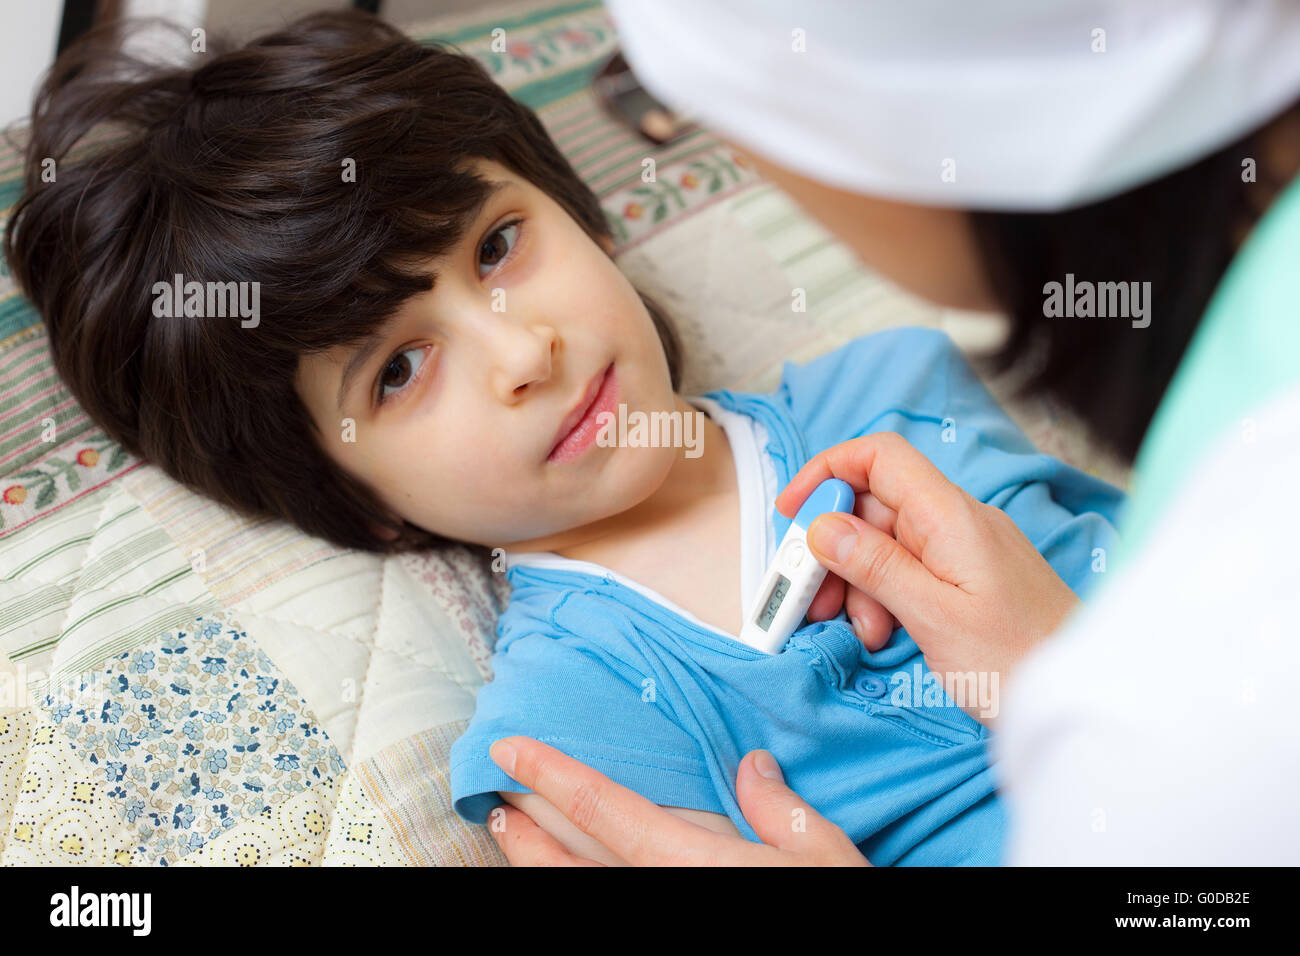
x=578, y=430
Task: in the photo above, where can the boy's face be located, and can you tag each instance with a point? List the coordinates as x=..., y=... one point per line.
x=481, y=375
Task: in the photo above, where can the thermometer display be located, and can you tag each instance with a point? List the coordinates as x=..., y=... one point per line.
x=774, y=601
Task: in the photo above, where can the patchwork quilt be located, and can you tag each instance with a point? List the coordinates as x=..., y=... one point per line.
x=180, y=685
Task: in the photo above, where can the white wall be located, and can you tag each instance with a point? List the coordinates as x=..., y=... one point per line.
x=29, y=36
x=29, y=39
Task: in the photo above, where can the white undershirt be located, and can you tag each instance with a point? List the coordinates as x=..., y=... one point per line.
x=1161, y=726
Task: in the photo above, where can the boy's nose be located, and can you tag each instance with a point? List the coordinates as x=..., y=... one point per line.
x=522, y=359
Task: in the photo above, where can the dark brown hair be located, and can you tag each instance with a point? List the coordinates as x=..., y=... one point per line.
x=233, y=172
x=1179, y=233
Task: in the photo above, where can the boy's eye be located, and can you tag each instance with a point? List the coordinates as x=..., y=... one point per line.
x=493, y=250
x=400, y=371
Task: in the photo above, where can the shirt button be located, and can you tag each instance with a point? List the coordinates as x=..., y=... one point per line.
x=869, y=685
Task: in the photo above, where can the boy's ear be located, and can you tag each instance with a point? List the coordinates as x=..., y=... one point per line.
x=384, y=533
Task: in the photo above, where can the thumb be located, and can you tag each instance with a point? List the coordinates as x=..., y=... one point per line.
x=779, y=816
x=874, y=562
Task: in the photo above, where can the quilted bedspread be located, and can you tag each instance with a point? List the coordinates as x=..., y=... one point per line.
x=181, y=685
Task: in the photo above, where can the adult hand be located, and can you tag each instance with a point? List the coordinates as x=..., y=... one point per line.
x=969, y=587
x=643, y=834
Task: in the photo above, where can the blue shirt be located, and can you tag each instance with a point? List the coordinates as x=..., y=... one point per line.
x=667, y=706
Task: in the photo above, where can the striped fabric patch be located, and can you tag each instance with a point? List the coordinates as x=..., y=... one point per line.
x=409, y=781
x=102, y=578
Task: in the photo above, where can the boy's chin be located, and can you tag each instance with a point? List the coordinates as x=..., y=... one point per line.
x=638, y=473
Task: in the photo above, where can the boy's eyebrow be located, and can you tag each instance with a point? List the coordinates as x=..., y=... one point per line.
x=368, y=345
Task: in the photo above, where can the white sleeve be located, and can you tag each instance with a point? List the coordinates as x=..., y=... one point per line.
x=1162, y=725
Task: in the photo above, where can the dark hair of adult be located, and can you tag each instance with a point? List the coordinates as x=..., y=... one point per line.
x=1179, y=233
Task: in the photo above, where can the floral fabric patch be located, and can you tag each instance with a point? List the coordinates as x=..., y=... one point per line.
x=192, y=735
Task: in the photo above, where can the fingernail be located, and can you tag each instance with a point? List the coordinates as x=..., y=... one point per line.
x=766, y=765
x=859, y=628
x=834, y=537
x=503, y=755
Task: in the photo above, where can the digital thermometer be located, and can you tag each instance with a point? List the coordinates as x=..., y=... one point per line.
x=795, y=575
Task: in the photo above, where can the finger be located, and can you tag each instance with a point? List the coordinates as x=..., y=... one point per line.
x=898, y=475
x=782, y=819
x=526, y=844
x=872, y=561
x=828, y=600
x=635, y=829
x=871, y=509
x=872, y=623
